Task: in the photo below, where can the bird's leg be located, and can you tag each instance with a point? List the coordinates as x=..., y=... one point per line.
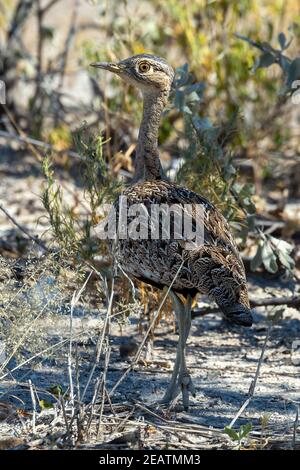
x=172, y=390
x=184, y=378
x=184, y=383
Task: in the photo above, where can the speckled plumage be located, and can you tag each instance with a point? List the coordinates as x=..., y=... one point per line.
x=214, y=269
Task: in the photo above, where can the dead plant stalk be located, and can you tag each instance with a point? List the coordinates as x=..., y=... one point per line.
x=254, y=381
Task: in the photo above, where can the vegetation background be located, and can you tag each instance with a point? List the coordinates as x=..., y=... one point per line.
x=67, y=143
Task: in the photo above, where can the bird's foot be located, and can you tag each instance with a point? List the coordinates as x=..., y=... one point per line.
x=186, y=384
x=170, y=395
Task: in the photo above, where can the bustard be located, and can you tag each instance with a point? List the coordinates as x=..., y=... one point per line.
x=214, y=268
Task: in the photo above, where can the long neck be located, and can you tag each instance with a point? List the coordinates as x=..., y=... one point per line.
x=148, y=166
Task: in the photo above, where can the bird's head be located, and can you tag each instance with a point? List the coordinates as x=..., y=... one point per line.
x=147, y=72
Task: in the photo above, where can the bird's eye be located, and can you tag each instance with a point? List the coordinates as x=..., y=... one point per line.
x=144, y=67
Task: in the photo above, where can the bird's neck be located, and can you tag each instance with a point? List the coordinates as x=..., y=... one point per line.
x=148, y=166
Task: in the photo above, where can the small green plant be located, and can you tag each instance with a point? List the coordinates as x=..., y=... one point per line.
x=273, y=254
x=45, y=405
x=264, y=422
x=71, y=231
x=240, y=435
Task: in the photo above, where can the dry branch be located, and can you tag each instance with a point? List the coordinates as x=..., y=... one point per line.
x=23, y=229
x=289, y=301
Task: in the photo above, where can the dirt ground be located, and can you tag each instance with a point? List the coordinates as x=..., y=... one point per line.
x=223, y=360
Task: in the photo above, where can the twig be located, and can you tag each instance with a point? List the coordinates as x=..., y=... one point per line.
x=47, y=7
x=254, y=381
x=106, y=363
x=100, y=341
x=68, y=42
x=33, y=405
x=24, y=230
x=46, y=350
x=263, y=48
x=75, y=298
x=124, y=420
x=63, y=407
x=295, y=426
x=20, y=342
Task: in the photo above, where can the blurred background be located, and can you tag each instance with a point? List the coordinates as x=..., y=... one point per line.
x=67, y=145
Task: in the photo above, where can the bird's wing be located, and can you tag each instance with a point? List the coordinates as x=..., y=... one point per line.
x=213, y=267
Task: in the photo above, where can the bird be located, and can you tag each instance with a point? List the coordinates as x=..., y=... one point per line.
x=213, y=267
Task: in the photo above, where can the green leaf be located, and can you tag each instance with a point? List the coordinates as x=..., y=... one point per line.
x=56, y=390
x=231, y=433
x=286, y=260
x=293, y=72
x=193, y=96
x=257, y=259
x=201, y=124
x=244, y=430
x=265, y=60
x=45, y=405
x=284, y=63
x=281, y=245
x=282, y=40
x=186, y=109
x=269, y=258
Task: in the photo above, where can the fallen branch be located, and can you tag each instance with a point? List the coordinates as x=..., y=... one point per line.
x=290, y=301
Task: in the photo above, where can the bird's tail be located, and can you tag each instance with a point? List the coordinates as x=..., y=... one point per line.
x=238, y=314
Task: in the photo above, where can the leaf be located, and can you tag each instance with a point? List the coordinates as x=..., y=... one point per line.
x=284, y=63
x=282, y=40
x=244, y=430
x=187, y=110
x=250, y=41
x=293, y=72
x=286, y=260
x=257, y=259
x=197, y=87
x=281, y=245
x=179, y=99
x=182, y=75
x=56, y=390
x=229, y=171
x=265, y=60
x=231, y=433
x=193, y=96
x=269, y=258
x=45, y=405
x=201, y=124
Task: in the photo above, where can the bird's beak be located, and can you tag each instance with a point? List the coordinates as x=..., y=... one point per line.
x=111, y=66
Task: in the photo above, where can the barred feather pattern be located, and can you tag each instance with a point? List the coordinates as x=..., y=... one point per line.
x=215, y=268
